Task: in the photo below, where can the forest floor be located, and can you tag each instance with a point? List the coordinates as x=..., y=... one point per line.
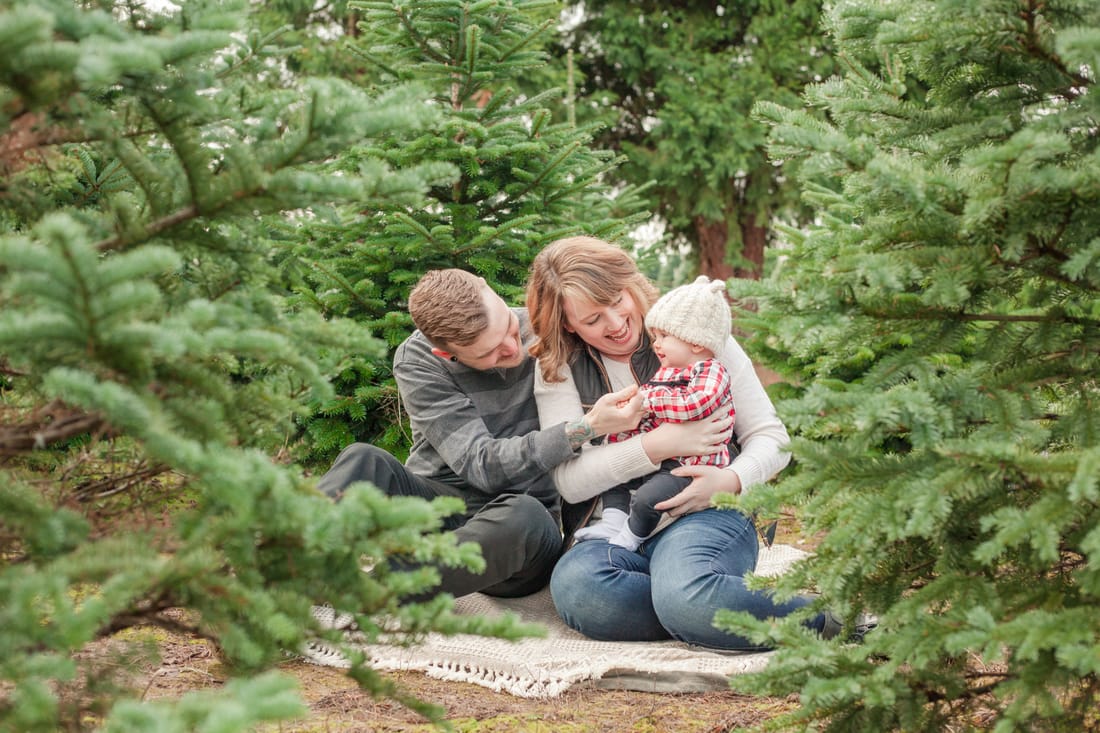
x=337, y=705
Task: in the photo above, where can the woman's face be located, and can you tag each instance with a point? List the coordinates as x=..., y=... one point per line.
x=614, y=330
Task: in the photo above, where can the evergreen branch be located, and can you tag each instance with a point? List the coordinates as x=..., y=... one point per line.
x=479, y=242
x=311, y=126
x=154, y=228
x=164, y=123
x=342, y=283
x=420, y=41
x=933, y=695
x=14, y=144
x=558, y=160
x=252, y=52
x=469, y=40
x=154, y=617
x=1032, y=46
x=48, y=425
x=6, y=369
x=1041, y=250
x=185, y=214
x=115, y=485
x=932, y=314
x=374, y=59
x=526, y=40
x=21, y=137
x=466, y=39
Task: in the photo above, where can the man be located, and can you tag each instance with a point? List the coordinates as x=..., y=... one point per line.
x=467, y=382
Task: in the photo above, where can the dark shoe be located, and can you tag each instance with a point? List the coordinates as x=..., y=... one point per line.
x=865, y=623
x=833, y=626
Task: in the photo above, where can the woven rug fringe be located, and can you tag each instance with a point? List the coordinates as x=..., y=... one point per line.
x=544, y=668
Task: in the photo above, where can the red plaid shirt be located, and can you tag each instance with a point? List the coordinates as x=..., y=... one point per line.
x=684, y=394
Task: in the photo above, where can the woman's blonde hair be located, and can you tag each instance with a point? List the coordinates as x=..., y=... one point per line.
x=582, y=268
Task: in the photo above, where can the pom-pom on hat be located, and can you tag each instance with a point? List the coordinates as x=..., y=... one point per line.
x=697, y=313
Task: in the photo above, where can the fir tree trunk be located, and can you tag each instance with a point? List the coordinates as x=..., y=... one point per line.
x=753, y=238
x=713, y=237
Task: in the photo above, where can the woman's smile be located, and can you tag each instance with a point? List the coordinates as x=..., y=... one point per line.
x=613, y=329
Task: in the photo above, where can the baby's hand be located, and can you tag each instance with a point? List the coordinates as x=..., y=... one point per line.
x=625, y=395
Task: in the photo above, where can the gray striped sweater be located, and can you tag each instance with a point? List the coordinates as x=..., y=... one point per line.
x=478, y=430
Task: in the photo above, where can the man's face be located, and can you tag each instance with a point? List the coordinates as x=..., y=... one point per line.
x=499, y=346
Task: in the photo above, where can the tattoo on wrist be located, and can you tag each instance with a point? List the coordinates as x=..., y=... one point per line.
x=579, y=432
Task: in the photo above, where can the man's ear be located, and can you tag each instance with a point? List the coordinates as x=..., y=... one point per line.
x=442, y=354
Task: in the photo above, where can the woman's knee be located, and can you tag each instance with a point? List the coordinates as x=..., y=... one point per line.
x=572, y=584
x=603, y=592
x=573, y=566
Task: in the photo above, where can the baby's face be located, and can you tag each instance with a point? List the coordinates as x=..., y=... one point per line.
x=675, y=352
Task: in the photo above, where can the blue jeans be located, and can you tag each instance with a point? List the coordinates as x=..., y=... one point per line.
x=671, y=587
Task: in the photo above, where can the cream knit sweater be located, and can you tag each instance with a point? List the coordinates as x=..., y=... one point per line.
x=760, y=433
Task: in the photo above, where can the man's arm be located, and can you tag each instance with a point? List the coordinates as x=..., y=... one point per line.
x=447, y=419
x=484, y=426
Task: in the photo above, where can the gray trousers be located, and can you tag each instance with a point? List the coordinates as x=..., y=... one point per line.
x=519, y=537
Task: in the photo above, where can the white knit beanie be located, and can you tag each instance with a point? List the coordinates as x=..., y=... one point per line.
x=697, y=313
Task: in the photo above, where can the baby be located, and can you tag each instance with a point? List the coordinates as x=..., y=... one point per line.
x=689, y=326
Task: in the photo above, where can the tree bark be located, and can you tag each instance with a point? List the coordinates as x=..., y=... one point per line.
x=753, y=237
x=713, y=239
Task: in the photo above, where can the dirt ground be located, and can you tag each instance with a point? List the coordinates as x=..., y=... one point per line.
x=336, y=705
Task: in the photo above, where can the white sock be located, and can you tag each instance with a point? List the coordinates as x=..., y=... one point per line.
x=626, y=538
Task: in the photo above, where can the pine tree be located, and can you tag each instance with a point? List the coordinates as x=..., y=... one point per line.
x=678, y=81
x=523, y=181
x=154, y=165
x=940, y=325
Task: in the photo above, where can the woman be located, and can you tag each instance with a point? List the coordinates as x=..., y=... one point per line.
x=587, y=302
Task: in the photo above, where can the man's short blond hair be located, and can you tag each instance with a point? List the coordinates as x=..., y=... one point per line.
x=448, y=307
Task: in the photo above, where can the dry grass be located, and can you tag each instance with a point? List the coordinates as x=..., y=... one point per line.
x=336, y=705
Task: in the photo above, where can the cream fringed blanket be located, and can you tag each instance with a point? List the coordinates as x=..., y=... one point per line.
x=547, y=667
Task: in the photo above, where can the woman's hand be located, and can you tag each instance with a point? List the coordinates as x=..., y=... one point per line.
x=616, y=412
x=695, y=438
x=696, y=496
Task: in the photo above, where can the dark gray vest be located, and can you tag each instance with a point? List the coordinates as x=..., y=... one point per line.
x=592, y=384
x=591, y=377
